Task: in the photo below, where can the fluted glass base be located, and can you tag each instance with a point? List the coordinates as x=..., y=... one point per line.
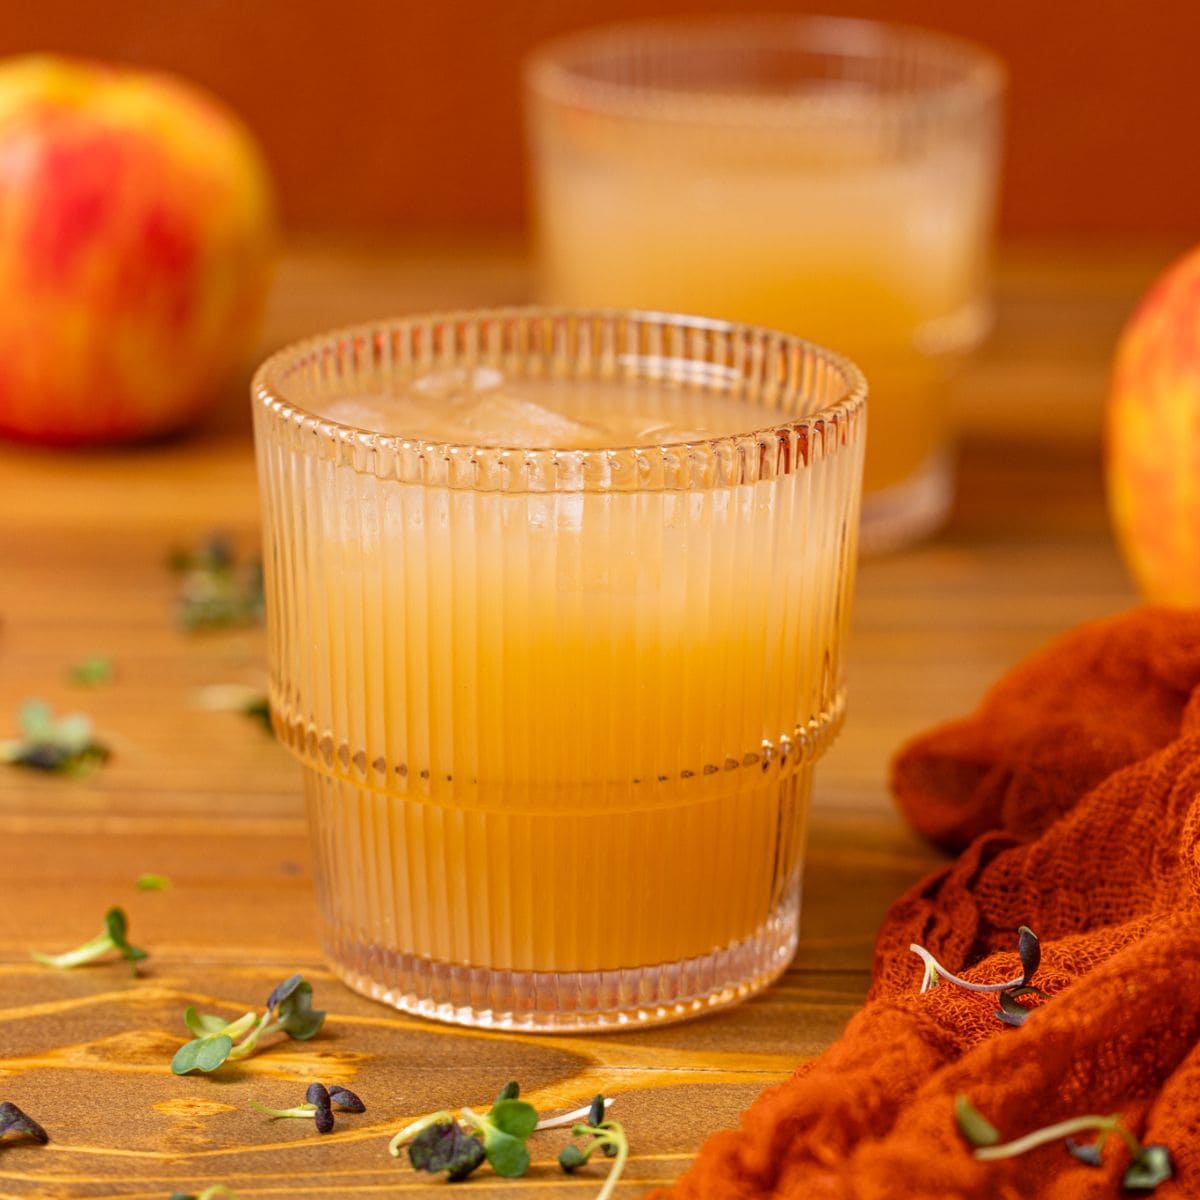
x=563, y=918
x=569, y=1001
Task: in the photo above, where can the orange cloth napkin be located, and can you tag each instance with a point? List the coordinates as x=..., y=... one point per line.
x=1074, y=793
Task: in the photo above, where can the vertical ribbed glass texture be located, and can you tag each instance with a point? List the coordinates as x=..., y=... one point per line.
x=833, y=178
x=557, y=709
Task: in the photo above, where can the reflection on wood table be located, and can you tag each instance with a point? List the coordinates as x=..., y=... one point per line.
x=207, y=799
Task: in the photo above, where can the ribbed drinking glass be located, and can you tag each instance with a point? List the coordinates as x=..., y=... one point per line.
x=834, y=178
x=556, y=605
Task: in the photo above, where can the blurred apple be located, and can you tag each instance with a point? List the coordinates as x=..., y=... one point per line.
x=136, y=232
x=1153, y=438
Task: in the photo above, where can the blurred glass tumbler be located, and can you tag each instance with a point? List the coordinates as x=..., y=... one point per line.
x=834, y=178
x=556, y=603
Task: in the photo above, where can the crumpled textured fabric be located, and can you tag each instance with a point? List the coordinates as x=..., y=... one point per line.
x=1073, y=794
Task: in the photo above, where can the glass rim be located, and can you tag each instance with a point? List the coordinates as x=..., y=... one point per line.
x=552, y=71
x=270, y=388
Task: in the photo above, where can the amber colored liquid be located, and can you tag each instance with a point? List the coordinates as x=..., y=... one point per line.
x=880, y=261
x=556, y=732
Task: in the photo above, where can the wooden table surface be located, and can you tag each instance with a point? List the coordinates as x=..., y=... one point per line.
x=209, y=800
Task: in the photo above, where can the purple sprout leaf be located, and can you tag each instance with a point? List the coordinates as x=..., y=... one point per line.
x=318, y=1096
x=1012, y=1013
x=20, y=1124
x=1086, y=1152
x=445, y=1147
x=281, y=991
x=344, y=1098
x=1029, y=948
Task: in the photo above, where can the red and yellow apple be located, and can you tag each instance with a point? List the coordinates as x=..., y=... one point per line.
x=136, y=232
x=1152, y=438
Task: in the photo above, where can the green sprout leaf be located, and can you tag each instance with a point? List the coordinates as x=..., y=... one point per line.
x=202, y=1054
x=148, y=882
x=113, y=938
x=504, y=1130
x=570, y=1157
x=444, y=1146
x=115, y=925
x=506, y=1154
x=207, y=1024
x=972, y=1124
x=47, y=743
x=93, y=670
x=19, y=1124
x=1150, y=1167
x=514, y=1117
x=37, y=720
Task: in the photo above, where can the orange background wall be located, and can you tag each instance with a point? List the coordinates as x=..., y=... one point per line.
x=405, y=116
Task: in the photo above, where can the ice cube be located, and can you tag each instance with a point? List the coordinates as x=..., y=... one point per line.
x=500, y=419
x=456, y=382
x=401, y=416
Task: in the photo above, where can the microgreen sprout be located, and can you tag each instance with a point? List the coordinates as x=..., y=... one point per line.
x=50, y=743
x=236, y=697
x=216, y=591
x=1149, y=1166
x=14, y=1121
x=259, y=710
x=93, y=670
x=209, y=1193
x=606, y=1136
x=215, y=1041
x=149, y=882
x=459, y=1142
x=113, y=938
x=1029, y=949
x=319, y=1103
x=569, y=1118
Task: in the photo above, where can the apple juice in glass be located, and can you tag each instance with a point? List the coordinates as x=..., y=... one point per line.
x=832, y=178
x=556, y=603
